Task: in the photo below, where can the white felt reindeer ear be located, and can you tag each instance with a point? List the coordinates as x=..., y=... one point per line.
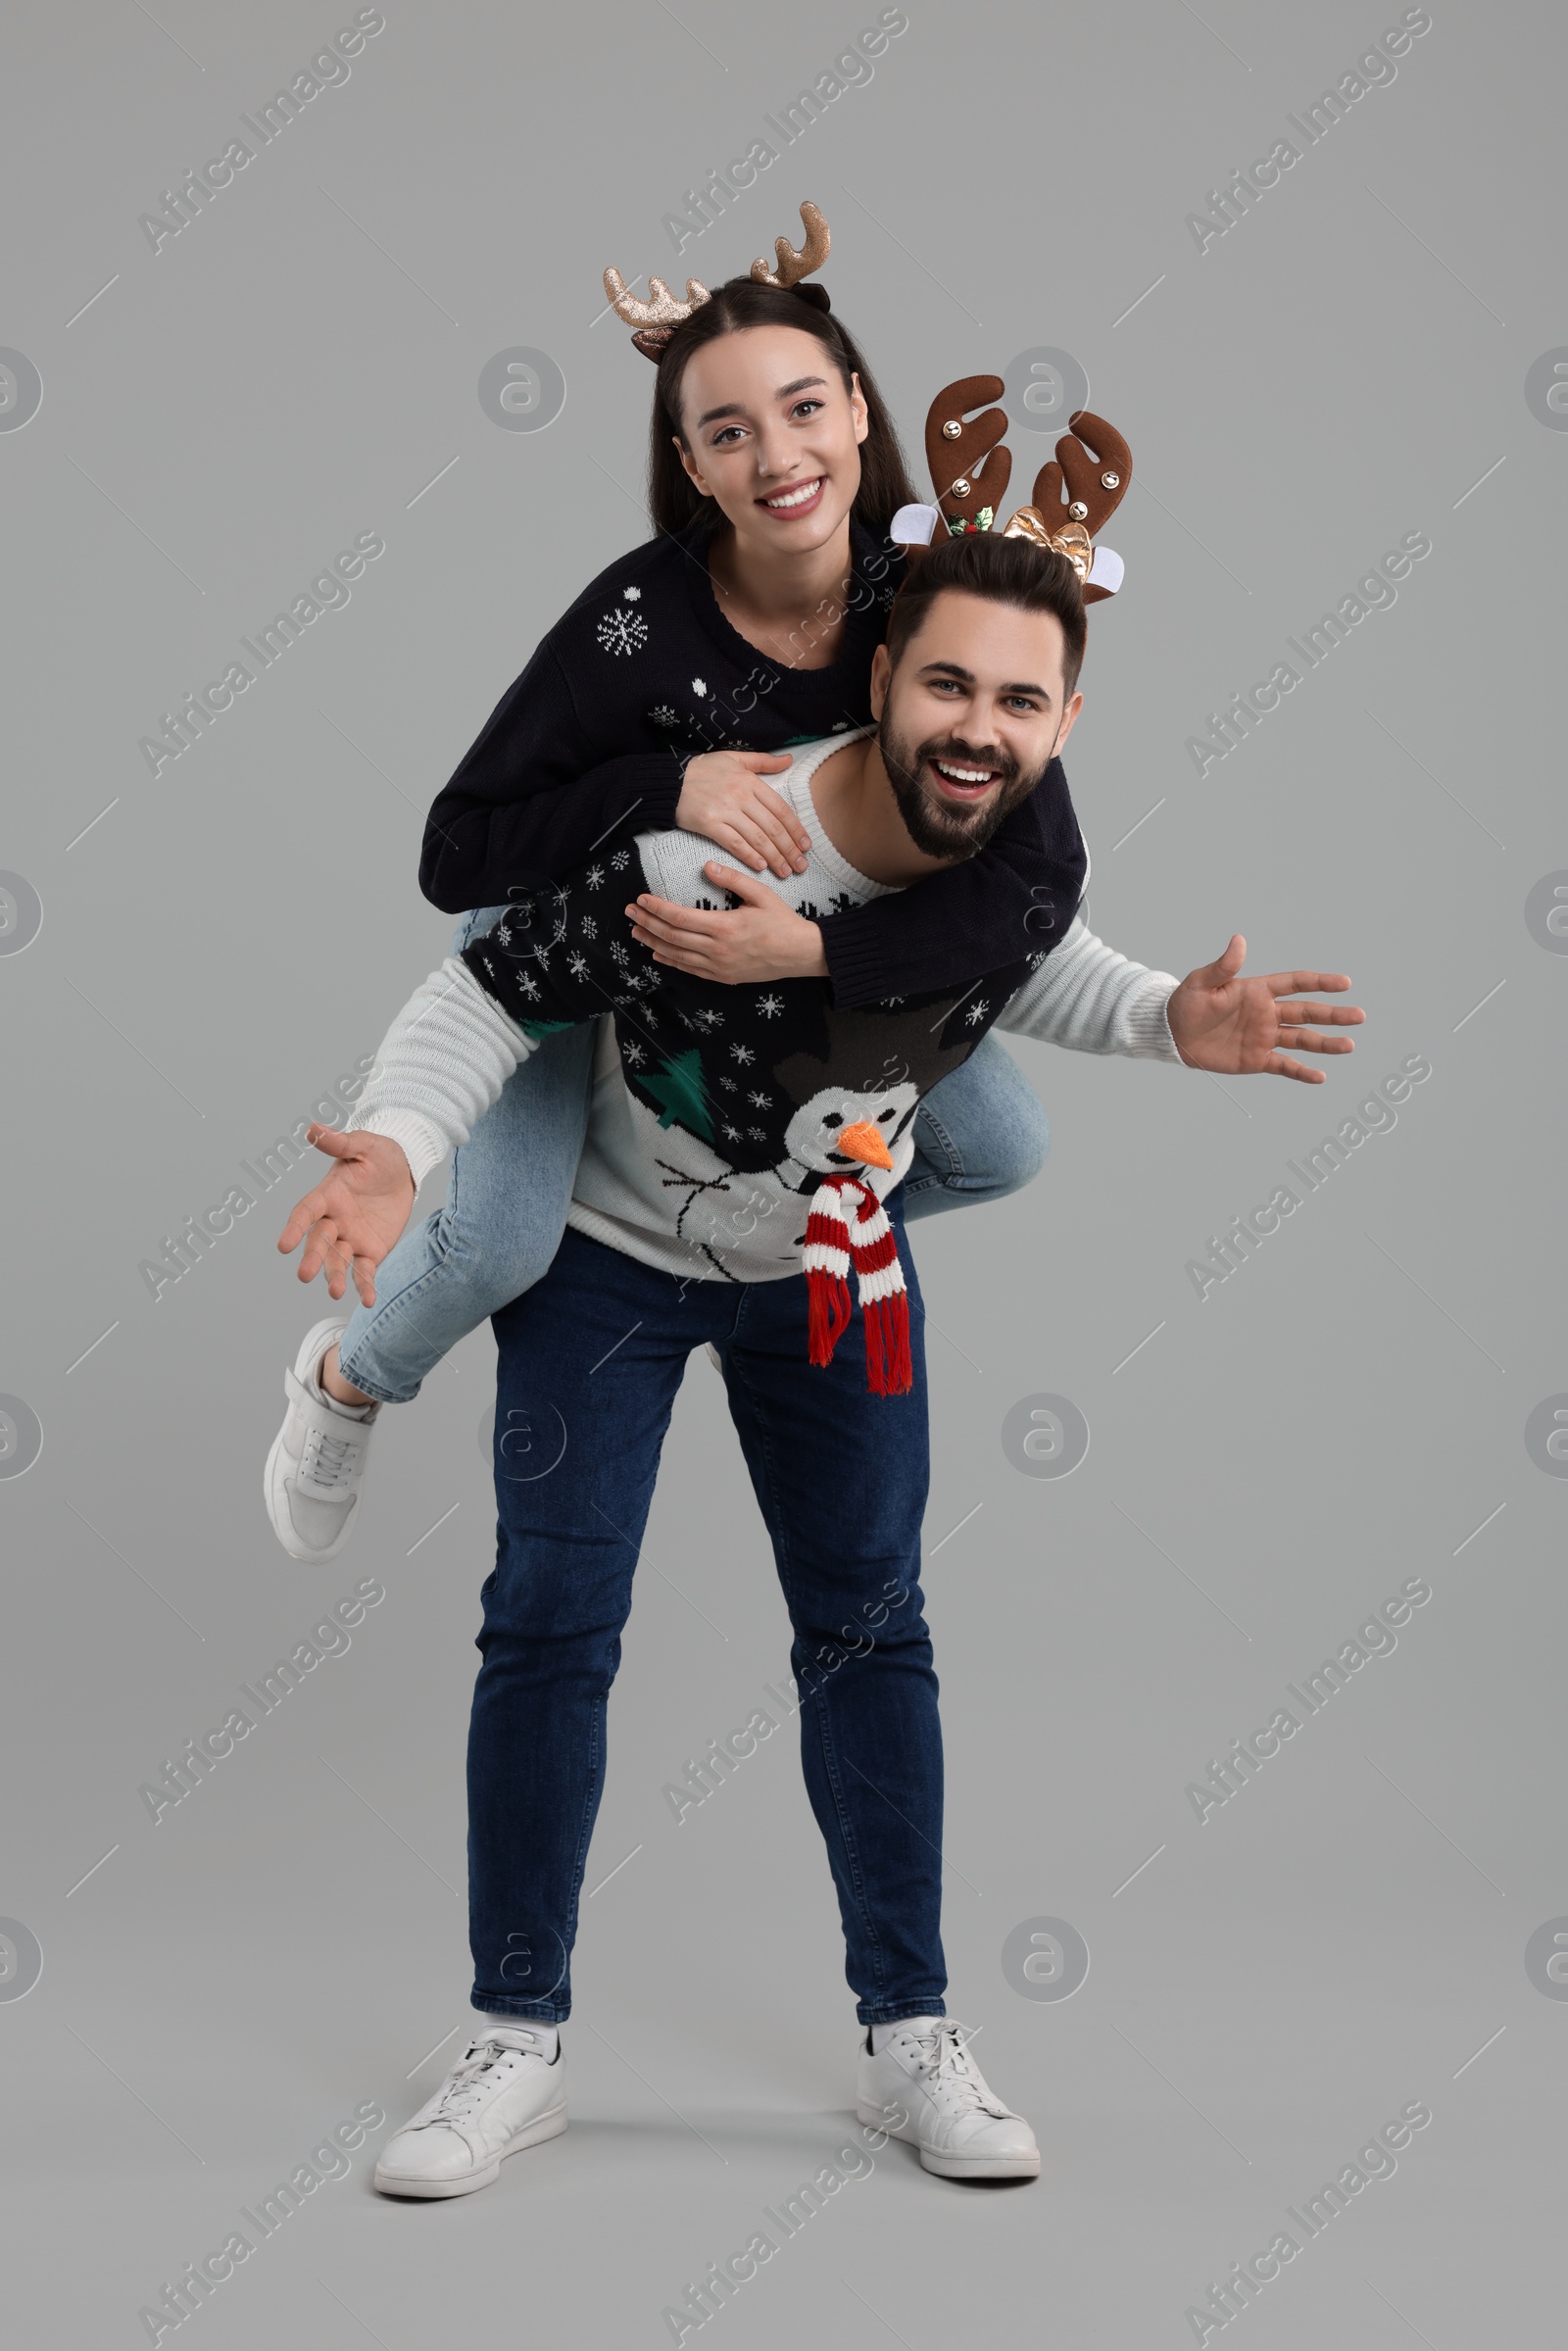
x=1108, y=571
x=914, y=525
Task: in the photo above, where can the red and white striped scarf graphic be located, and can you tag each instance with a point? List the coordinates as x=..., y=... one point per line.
x=848, y=1225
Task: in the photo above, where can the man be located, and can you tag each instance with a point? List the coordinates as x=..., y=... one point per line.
x=736, y=1127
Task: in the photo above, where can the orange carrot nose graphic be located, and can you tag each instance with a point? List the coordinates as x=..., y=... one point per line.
x=864, y=1143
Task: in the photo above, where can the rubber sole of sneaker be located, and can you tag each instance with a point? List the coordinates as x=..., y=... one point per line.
x=396, y=2184
x=957, y=2166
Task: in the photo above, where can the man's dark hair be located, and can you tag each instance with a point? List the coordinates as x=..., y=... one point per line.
x=982, y=563
x=672, y=500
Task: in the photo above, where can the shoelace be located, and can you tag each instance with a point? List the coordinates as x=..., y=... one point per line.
x=470, y=2079
x=328, y=1462
x=956, y=2070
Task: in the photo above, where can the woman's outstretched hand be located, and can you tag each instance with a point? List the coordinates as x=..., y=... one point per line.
x=354, y=1214
x=723, y=797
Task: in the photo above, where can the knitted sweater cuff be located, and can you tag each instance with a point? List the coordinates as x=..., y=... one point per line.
x=1149, y=1022
x=421, y=1144
x=657, y=776
x=854, y=965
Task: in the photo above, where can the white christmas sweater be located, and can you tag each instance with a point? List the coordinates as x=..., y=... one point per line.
x=715, y=1107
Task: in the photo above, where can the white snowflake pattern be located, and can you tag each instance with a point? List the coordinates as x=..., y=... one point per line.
x=729, y=1133
x=771, y=1007
x=595, y=877
x=759, y=1102
x=664, y=715
x=977, y=1012
x=528, y=985
x=633, y=1053
x=700, y=687
x=620, y=956
x=631, y=595
x=729, y=1085
x=623, y=632
x=757, y=1134
x=893, y=1000
x=620, y=861
x=577, y=966
x=709, y=1019
x=588, y=927
x=742, y=1054
x=541, y=956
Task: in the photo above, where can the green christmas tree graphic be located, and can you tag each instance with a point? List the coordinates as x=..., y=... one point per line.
x=680, y=1093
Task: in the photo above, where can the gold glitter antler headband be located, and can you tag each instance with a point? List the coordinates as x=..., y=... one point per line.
x=793, y=265
x=657, y=320
x=1077, y=492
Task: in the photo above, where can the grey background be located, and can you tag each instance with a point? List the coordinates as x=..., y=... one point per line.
x=1340, y=368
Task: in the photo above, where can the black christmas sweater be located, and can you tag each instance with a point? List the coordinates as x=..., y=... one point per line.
x=589, y=747
x=717, y=1108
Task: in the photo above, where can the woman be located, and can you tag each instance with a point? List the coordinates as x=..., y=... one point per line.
x=664, y=697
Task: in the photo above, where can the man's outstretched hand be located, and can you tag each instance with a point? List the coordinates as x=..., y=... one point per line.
x=1241, y=1027
x=353, y=1217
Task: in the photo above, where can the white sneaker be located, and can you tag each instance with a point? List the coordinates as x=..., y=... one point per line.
x=501, y=2095
x=317, y=1464
x=962, y=2128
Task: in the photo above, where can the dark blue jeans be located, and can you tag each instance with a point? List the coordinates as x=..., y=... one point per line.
x=590, y=1359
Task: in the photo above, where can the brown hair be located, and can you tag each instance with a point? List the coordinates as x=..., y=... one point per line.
x=672, y=500
x=1002, y=570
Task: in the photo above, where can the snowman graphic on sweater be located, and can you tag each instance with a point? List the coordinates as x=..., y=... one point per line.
x=763, y=1134
x=842, y=1138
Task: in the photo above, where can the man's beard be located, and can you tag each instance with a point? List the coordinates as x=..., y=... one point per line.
x=938, y=828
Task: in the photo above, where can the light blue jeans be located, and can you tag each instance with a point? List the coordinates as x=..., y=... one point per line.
x=980, y=1134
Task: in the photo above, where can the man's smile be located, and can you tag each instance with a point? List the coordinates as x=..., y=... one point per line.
x=963, y=780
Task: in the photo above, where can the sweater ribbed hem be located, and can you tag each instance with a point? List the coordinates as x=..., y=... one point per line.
x=416, y=1136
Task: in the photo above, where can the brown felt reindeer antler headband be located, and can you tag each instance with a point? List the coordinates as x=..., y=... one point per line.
x=657, y=320
x=1074, y=495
